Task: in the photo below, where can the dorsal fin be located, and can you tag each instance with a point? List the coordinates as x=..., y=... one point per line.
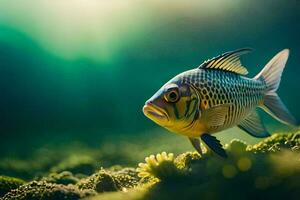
x=229, y=61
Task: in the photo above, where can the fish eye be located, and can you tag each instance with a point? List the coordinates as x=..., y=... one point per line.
x=172, y=96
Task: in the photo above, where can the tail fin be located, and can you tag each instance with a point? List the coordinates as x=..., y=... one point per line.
x=271, y=74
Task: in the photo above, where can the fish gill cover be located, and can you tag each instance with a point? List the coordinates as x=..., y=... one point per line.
x=75, y=74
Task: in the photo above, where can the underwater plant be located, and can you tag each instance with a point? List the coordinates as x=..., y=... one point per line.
x=245, y=174
x=160, y=166
x=52, y=159
x=269, y=169
x=110, y=180
x=83, y=164
x=99, y=182
x=64, y=178
x=9, y=183
x=277, y=142
x=37, y=190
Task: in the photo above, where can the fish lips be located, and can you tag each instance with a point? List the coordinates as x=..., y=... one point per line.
x=155, y=113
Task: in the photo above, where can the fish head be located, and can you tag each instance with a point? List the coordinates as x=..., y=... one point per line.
x=174, y=106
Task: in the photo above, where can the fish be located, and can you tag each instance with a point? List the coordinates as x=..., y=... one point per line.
x=216, y=96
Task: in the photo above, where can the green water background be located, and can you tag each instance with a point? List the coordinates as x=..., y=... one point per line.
x=74, y=71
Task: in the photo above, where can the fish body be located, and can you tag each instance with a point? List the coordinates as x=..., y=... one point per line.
x=216, y=96
x=216, y=87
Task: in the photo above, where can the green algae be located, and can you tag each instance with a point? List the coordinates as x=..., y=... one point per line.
x=64, y=178
x=277, y=142
x=54, y=159
x=9, y=183
x=269, y=169
x=110, y=180
x=76, y=164
x=249, y=172
x=37, y=190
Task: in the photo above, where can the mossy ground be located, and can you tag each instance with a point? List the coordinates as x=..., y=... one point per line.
x=269, y=169
x=8, y=183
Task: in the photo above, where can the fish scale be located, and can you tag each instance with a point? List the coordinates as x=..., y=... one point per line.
x=216, y=87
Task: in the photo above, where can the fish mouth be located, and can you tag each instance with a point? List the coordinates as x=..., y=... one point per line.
x=155, y=113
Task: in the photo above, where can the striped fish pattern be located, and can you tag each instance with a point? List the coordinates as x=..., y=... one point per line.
x=216, y=96
x=216, y=87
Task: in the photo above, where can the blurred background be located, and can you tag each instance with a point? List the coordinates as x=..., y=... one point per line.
x=79, y=72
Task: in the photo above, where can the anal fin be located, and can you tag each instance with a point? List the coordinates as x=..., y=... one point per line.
x=254, y=126
x=196, y=144
x=214, y=144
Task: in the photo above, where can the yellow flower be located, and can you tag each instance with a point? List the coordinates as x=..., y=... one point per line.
x=157, y=165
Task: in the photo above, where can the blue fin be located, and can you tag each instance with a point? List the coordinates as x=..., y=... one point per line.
x=214, y=144
x=253, y=125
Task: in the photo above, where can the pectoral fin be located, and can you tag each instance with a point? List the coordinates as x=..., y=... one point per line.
x=215, y=116
x=253, y=125
x=196, y=144
x=214, y=144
